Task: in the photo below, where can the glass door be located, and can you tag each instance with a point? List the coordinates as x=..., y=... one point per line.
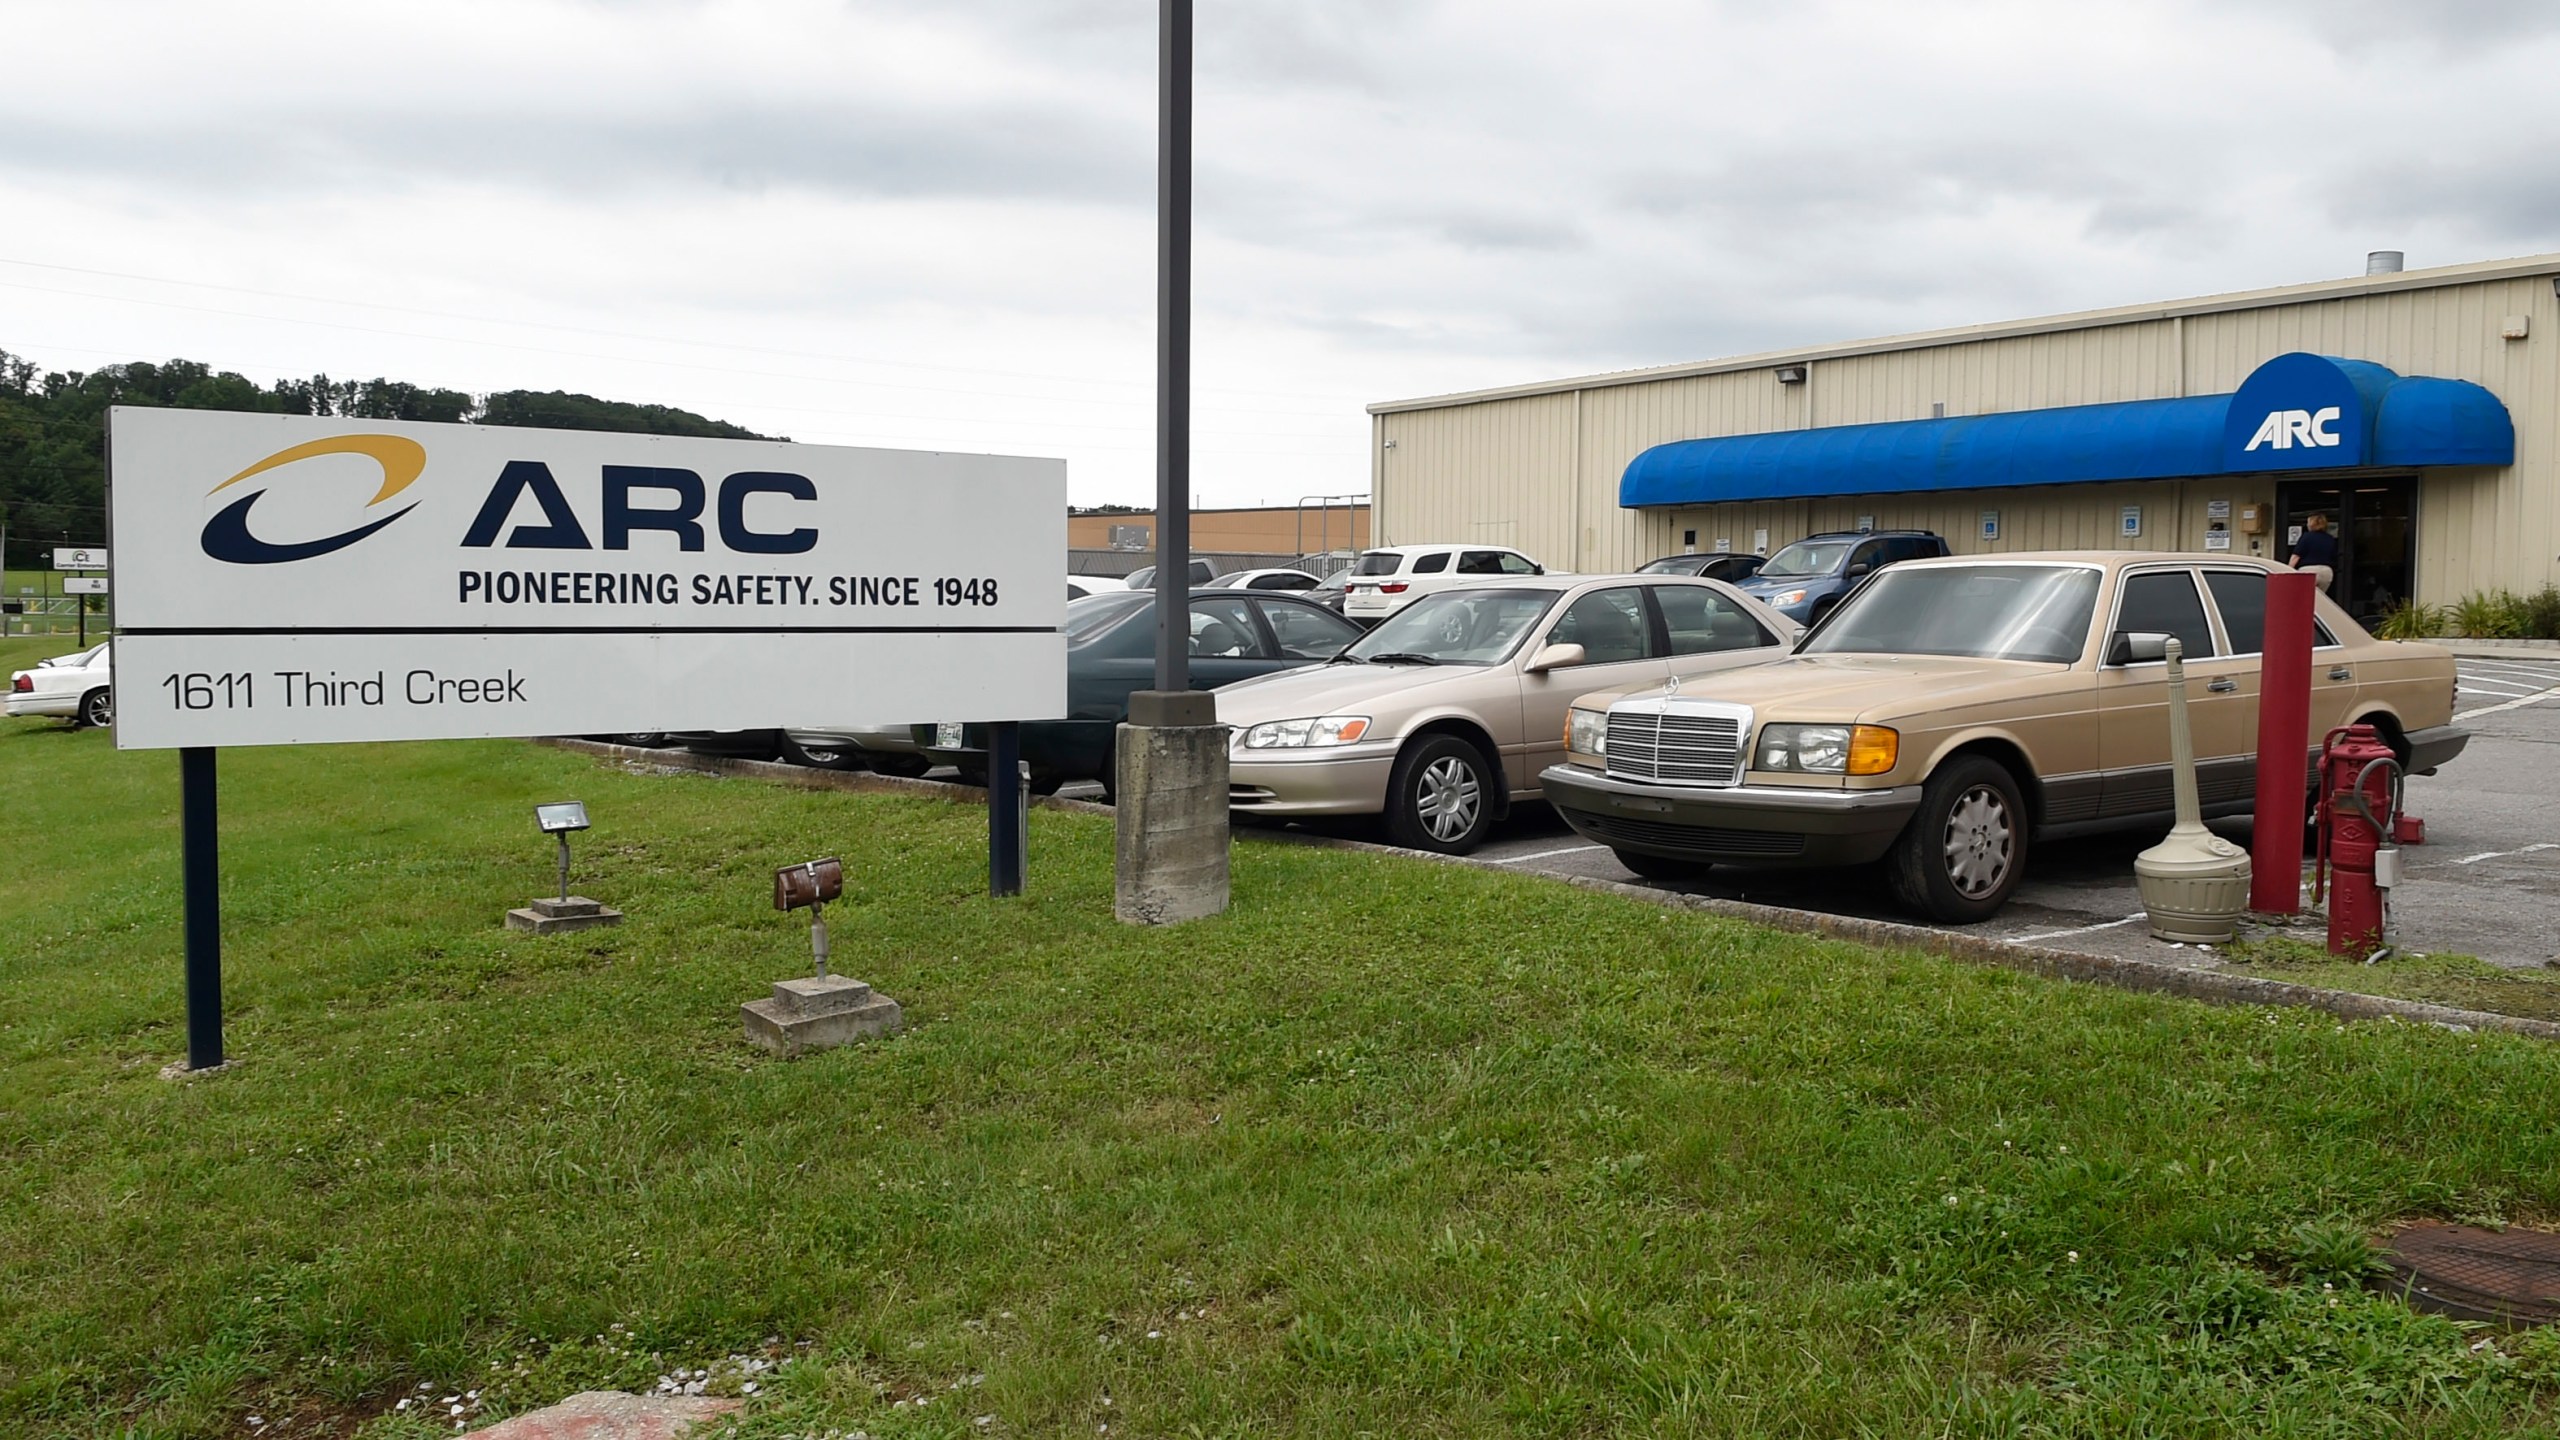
x=2376, y=524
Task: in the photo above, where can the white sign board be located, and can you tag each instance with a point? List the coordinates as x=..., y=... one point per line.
x=80, y=557
x=290, y=579
x=91, y=585
x=2130, y=525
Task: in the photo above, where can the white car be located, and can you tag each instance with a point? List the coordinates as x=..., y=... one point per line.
x=1389, y=578
x=1282, y=579
x=77, y=687
x=1078, y=587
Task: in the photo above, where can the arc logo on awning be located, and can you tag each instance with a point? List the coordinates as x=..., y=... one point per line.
x=2284, y=429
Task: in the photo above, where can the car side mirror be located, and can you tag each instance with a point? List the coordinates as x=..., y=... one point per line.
x=2137, y=647
x=1854, y=571
x=1555, y=657
x=1537, y=569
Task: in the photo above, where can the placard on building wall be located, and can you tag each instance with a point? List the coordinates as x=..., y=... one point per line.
x=290, y=579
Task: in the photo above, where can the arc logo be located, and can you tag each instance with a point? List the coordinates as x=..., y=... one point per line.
x=227, y=537
x=2284, y=429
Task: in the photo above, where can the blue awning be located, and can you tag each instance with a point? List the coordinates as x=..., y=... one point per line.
x=2296, y=412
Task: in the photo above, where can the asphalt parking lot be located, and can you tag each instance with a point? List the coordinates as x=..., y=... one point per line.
x=2485, y=883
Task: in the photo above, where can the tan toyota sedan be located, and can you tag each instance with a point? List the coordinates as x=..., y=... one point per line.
x=1447, y=712
x=1951, y=709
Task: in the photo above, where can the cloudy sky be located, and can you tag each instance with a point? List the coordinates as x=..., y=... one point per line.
x=929, y=223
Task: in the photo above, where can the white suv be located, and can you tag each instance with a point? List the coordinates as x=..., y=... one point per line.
x=1385, y=580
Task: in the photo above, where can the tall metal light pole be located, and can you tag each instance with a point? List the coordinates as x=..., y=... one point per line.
x=1173, y=347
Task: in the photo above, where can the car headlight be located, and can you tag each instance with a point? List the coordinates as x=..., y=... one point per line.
x=950, y=735
x=1586, y=732
x=1785, y=598
x=1306, y=734
x=1828, y=749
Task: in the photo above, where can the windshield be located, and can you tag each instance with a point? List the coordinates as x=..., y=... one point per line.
x=1670, y=565
x=1336, y=580
x=1457, y=627
x=1378, y=562
x=1988, y=612
x=1094, y=614
x=1808, y=557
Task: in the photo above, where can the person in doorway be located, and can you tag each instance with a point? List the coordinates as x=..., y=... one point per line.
x=2316, y=549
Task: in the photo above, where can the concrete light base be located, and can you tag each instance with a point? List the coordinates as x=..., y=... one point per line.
x=819, y=1013
x=550, y=917
x=1171, y=810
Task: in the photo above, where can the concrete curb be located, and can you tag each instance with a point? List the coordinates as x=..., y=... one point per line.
x=2208, y=985
x=2501, y=649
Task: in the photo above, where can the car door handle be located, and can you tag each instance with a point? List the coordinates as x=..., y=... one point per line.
x=2222, y=685
x=2341, y=672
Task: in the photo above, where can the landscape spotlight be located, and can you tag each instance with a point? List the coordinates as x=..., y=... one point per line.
x=810, y=887
x=559, y=819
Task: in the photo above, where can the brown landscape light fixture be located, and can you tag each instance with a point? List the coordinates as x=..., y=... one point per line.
x=809, y=887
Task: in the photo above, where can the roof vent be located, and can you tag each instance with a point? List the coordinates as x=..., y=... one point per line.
x=2383, y=262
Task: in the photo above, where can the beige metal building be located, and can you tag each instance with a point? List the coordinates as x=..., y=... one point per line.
x=2420, y=409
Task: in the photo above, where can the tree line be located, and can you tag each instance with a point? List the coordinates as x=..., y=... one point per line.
x=53, y=429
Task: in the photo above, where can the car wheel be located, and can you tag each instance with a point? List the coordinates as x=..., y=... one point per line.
x=821, y=757
x=1441, y=797
x=641, y=739
x=1961, y=855
x=897, y=762
x=1662, y=867
x=97, y=708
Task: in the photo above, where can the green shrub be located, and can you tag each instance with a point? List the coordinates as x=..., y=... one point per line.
x=2542, y=613
x=2415, y=620
x=2489, y=615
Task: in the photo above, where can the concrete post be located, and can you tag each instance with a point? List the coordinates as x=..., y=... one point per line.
x=1171, y=805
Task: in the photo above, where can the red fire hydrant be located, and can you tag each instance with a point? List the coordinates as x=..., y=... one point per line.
x=2359, y=800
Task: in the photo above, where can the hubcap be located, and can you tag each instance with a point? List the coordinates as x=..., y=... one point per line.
x=1981, y=842
x=1448, y=798
x=102, y=711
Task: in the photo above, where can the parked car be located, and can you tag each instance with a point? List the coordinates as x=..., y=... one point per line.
x=1444, y=715
x=1332, y=592
x=1111, y=647
x=1280, y=579
x=1144, y=577
x=79, y=687
x=768, y=745
x=1806, y=579
x=1714, y=565
x=1951, y=712
x=889, y=750
x=1387, y=579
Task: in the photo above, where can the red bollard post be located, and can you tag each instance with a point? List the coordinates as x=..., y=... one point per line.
x=2284, y=745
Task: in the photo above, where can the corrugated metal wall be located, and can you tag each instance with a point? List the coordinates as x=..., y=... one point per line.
x=1541, y=471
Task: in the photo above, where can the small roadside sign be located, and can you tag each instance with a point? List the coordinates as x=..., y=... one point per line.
x=82, y=557
x=91, y=585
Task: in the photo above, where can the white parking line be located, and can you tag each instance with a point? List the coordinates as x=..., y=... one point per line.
x=2534, y=699
x=2494, y=854
x=2083, y=930
x=1547, y=854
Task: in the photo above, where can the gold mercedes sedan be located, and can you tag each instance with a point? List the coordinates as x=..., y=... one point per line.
x=1951, y=709
x=1446, y=713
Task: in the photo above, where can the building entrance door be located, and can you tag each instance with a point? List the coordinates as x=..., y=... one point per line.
x=2376, y=524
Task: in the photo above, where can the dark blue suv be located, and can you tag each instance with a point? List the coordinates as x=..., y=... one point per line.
x=1804, y=580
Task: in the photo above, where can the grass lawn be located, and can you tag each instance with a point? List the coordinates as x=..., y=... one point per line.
x=1391, y=1149
x=2464, y=981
